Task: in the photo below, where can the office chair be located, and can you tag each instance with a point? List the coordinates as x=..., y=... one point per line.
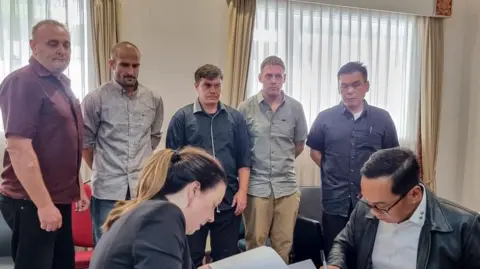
x=307, y=241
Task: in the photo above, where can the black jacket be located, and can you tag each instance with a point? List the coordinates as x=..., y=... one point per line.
x=150, y=236
x=450, y=238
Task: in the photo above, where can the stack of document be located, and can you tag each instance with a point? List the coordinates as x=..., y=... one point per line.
x=259, y=258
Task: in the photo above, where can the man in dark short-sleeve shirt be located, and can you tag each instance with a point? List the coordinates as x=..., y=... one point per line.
x=43, y=127
x=341, y=140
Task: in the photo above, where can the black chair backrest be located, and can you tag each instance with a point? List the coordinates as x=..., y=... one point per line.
x=311, y=203
x=307, y=241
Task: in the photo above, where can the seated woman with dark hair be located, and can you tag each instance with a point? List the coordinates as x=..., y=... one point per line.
x=178, y=192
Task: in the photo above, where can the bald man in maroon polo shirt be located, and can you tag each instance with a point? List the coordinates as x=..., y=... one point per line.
x=44, y=130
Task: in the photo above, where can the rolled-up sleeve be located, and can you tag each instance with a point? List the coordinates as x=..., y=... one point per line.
x=91, y=118
x=243, y=143
x=157, y=124
x=301, y=127
x=21, y=101
x=176, y=131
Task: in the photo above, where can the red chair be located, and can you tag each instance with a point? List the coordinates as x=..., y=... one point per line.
x=83, y=233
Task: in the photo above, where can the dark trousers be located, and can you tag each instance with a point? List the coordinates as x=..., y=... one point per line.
x=33, y=247
x=332, y=225
x=224, y=236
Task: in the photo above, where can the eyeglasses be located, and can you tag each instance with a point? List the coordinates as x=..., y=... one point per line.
x=384, y=211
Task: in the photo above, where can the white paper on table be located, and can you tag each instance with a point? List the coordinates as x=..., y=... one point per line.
x=258, y=258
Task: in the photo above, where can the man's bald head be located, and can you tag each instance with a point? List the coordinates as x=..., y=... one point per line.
x=43, y=24
x=50, y=45
x=125, y=63
x=123, y=47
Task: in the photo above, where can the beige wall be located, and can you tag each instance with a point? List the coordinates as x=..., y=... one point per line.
x=174, y=42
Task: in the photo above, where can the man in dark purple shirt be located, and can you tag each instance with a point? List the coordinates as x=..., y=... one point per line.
x=44, y=130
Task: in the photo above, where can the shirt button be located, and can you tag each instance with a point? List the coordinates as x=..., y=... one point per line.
x=351, y=170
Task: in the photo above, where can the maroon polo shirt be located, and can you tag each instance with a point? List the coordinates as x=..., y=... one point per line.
x=37, y=105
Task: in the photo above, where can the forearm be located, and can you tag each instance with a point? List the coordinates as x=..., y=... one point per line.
x=299, y=149
x=155, y=140
x=27, y=169
x=316, y=157
x=87, y=154
x=243, y=178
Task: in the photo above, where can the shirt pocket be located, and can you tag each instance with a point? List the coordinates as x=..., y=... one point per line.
x=284, y=128
x=56, y=108
x=115, y=113
x=369, y=140
x=192, y=134
x=144, y=114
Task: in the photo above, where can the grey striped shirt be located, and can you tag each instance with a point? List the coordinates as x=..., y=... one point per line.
x=273, y=136
x=123, y=131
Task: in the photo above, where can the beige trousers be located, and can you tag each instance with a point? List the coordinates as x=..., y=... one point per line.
x=274, y=218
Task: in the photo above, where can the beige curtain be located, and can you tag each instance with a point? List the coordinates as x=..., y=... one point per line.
x=240, y=33
x=431, y=94
x=106, y=24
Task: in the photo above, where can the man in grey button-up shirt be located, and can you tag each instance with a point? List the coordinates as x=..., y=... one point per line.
x=122, y=127
x=278, y=130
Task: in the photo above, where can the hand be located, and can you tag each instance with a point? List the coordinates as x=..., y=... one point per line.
x=240, y=200
x=50, y=218
x=206, y=266
x=331, y=267
x=84, y=202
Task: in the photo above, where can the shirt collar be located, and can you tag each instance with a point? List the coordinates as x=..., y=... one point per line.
x=343, y=108
x=197, y=107
x=42, y=71
x=120, y=87
x=260, y=97
x=419, y=215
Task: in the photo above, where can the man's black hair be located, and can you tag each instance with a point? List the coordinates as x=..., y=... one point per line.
x=353, y=67
x=400, y=164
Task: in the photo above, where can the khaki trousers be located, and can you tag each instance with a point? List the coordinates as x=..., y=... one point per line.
x=274, y=218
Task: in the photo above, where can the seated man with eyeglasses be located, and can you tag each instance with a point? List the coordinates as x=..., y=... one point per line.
x=401, y=224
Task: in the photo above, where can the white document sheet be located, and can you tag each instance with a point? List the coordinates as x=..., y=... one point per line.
x=258, y=258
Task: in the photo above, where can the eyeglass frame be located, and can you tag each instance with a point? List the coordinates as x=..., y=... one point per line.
x=387, y=210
